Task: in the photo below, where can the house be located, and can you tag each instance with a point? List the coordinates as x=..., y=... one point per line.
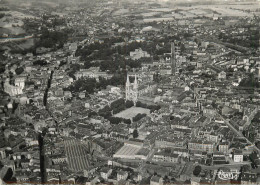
x=195, y=180
x=156, y=180
x=181, y=152
x=2, y=153
x=121, y=175
x=222, y=75
x=166, y=156
x=19, y=82
x=209, y=111
x=238, y=156
x=248, y=178
x=92, y=72
x=161, y=142
x=206, y=146
x=12, y=90
x=223, y=147
x=105, y=173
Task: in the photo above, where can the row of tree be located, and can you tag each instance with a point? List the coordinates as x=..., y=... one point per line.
x=40, y=62
x=115, y=107
x=89, y=85
x=117, y=120
x=138, y=117
x=151, y=107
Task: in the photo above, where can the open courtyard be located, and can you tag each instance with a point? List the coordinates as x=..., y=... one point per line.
x=132, y=112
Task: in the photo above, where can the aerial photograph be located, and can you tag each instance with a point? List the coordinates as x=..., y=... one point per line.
x=130, y=92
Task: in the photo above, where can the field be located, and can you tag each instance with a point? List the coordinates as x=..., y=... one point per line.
x=220, y=10
x=160, y=19
x=132, y=112
x=19, y=15
x=121, y=12
x=26, y=44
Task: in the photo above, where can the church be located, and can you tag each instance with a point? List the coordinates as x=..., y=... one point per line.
x=142, y=88
x=131, y=90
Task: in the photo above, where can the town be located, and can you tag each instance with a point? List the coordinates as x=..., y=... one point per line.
x=130, y=92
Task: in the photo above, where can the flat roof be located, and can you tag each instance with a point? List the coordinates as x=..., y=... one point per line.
x=127, y=150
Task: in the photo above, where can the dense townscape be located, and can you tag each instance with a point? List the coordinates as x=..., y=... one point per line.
x=130, y=92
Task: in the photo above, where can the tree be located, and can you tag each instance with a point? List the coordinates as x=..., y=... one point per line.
x=118, y=105
x=138, y=117
x=129, y=104
x=19, y=70
x=140, y=104
x=253, y=157
x=92, y=113
x=52, y=39
x=103, y=83
x=197, y=170
x=87, y=64
x=83, y=84
x=257, y=144
x=135, y=133
x=114, y=120
x=73, y=69
x=156, y=57
x=2, y=15
x=40, y=62
x=7, y=177
x=105, y=112
x=127, y=121
x=251, y=81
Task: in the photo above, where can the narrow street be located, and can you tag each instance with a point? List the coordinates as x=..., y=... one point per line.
x=45, y=98
x=237, y=132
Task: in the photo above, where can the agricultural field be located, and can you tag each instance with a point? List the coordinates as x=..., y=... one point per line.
x=121, y=12
x=19, y=15
x=160, y=19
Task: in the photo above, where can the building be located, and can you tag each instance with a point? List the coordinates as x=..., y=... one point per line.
x=121, y=175
x=209, y=111
x=223, y=147
x=105, y=173
x=169, y=142
x=164, y=156
x=138, y=53
x=132, y=150
x=131, y=90
x=238, y=156
x=19, y=82
x=222, y=75
x=2, y=154
x=12, y=90
x=92, y=73
x=156, y=180
x=206, y=146
x=173, y=59
x=248, y=178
